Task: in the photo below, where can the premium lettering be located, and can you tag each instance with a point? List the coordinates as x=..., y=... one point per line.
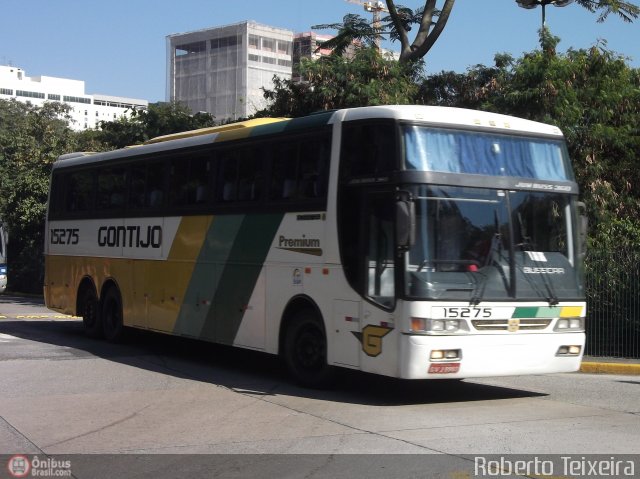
x=130, y=236
x=303, y=242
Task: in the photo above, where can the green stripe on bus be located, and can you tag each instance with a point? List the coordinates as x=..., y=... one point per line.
x=536, y=312
x=206, y=274
x=239, y=276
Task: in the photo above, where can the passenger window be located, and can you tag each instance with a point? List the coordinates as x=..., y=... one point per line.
x=242, y=175
x=154, y=196
x=314, y=157
x=178, y=182
x=368, y=150
x=251, y=178
x=111, y=188
x=80, y=191
x=199, y=173
x=228, y=161
x=284, y=172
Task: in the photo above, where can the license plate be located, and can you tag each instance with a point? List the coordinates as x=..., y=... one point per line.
x=444, y=368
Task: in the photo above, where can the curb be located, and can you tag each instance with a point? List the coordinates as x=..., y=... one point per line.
x=610, y=368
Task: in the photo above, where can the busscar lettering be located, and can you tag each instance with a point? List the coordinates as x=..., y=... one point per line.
x=130, y=236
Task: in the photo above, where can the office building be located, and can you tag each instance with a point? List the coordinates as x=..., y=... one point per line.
x=87, y=111
x=222, y=70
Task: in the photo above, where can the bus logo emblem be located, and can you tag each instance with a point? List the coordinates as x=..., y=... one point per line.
x=371, y=338
x=514, y=325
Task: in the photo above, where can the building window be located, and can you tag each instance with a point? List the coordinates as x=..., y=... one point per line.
x=76, y=99
x=188, y=48
x=6, y=91
x=53, y=96
x=284, y=47
x=29, y=94
x=284, y=63
x=254, y=42
x=254, y=58
x=269, y=60
x=268, y=44
x=226, y=42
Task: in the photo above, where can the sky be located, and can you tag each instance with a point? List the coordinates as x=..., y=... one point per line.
x=118, y=47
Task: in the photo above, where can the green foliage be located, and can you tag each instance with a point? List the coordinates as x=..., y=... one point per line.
x=335, y=82
x=31, y=139
x=159, y=119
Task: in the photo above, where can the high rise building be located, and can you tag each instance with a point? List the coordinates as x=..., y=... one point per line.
x=87, y=111
x=222, y=70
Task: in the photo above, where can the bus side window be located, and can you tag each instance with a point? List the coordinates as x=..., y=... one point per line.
x=314, y=158
x=368, y=150
x=80, y=188
x=112, y=188
x=228, y=176
x=284, y=171
x=155, y=188
x=137, y=186
x=178, y=181
x=198, y=186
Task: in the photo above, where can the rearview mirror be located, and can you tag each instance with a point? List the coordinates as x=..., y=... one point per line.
x=405, y=223
x=583, y=224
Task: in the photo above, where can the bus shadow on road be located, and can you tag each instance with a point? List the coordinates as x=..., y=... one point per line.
x=244, y=371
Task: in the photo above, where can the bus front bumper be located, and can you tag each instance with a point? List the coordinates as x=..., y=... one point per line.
x=489, y=355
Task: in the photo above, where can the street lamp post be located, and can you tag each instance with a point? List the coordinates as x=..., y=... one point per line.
x=529, y=4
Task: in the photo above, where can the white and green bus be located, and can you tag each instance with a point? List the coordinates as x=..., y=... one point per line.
x=408, y=241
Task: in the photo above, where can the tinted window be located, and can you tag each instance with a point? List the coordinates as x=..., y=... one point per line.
x=111, y=188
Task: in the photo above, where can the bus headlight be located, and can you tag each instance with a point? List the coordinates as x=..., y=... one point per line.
x=569, y=324
x=569, y=350
x=423, y=325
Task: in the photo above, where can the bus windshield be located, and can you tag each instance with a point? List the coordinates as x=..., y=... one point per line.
x=478, y=244
x=454, y=151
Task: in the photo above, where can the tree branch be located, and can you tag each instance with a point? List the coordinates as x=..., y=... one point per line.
x=432, y=37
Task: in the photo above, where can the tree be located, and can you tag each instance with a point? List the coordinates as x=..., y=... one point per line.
x=31, y=139
x=334, y=82
x=431, y=21
x=159, y=119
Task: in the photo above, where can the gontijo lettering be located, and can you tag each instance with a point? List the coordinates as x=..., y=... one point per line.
x=130, y=236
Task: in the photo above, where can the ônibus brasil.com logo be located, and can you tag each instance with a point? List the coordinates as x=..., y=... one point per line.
x=20, y=465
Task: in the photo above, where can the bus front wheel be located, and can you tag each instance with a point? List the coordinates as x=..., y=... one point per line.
x=305, y=351
x=112, y=315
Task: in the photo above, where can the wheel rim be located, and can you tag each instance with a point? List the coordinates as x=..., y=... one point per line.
x=309, y=349
x=111, y=316
x=90, y=312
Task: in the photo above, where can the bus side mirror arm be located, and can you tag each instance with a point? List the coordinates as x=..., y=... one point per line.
x=405, y=222
x=583, y=224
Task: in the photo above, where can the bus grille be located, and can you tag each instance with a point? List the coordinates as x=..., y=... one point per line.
x=503, y=324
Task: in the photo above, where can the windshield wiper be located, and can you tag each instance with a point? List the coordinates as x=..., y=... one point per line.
x=495, y=248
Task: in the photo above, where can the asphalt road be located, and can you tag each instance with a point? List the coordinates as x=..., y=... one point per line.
x=64, y=394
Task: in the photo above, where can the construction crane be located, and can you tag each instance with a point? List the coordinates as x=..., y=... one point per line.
x=374, y=8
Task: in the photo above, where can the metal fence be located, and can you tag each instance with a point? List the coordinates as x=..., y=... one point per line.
x=613, y=303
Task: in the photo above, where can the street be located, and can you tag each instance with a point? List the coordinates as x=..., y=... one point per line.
x=62, y=393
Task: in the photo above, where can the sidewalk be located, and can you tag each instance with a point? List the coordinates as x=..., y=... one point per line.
x=597, y=365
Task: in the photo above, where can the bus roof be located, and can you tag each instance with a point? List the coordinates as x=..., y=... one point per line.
x=451, y=117
x=430, y=115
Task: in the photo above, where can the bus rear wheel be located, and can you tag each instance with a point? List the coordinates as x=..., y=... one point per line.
x=112, y=324
x=305, y=351
x=90, y=312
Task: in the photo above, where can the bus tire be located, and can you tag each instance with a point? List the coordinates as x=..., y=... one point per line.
x=305, y=350
x=90, y=312
x=112, y=324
